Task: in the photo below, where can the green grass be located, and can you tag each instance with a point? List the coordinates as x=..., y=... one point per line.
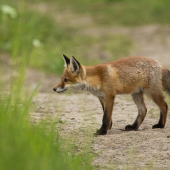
x=28, y=145
x=115, y=12
x=57, y=38
x=54, y=39
x=122, y=12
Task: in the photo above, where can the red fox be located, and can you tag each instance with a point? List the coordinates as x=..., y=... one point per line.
x=130, y=75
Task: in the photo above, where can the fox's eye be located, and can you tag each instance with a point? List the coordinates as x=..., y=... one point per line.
x=65, y=80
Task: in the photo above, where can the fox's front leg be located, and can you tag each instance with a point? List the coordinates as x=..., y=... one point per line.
x=103, y=107
x=107, y=105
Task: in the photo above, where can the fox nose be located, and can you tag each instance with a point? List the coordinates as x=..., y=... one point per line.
x=54, y=88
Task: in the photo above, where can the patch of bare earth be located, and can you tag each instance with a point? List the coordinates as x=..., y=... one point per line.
x=145, y=148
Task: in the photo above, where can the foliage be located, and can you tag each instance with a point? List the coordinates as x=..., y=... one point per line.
x=43, y=40
x=123, y=12
x=25, y=144
x=28, y=145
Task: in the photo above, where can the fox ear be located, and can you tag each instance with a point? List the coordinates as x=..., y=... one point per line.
x=67, y=60
x=74, y=65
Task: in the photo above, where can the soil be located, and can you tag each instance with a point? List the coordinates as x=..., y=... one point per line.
x=146, y=148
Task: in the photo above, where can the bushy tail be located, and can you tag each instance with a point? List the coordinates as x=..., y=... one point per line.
x=166, y=81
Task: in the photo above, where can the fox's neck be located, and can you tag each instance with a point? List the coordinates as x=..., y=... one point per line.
x=91, y=81
x=92, y=76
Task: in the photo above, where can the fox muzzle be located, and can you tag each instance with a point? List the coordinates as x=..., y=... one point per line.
x=54, y=88
x=59, y=89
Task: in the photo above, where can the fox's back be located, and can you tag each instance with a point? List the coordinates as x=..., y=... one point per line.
x=133, y=72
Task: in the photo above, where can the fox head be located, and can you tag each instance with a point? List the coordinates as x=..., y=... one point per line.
x=72, y=76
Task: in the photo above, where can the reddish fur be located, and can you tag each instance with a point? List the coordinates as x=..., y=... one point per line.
x=131, y=75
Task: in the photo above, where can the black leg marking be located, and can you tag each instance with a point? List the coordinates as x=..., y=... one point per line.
x=162, y=120
x=158, y=126
x=107, y=106
x=159, y=100
x=130, y=127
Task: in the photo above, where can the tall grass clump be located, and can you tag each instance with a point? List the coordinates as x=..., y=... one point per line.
x=26, y=145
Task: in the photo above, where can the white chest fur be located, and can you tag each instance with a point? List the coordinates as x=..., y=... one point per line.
x=93, y=90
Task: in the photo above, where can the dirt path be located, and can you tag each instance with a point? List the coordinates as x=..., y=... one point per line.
x=145, y=148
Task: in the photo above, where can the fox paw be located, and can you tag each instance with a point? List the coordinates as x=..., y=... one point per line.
x=130, y=127
x=101, y=132
x=158, y=126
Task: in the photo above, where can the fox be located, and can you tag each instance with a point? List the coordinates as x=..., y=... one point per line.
x=136, y=75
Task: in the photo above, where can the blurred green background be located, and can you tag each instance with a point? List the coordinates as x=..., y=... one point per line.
x=35, y=34
x=43, y=30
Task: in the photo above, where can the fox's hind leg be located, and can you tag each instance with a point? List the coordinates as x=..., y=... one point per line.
x=139, y=101
x=158, y=98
